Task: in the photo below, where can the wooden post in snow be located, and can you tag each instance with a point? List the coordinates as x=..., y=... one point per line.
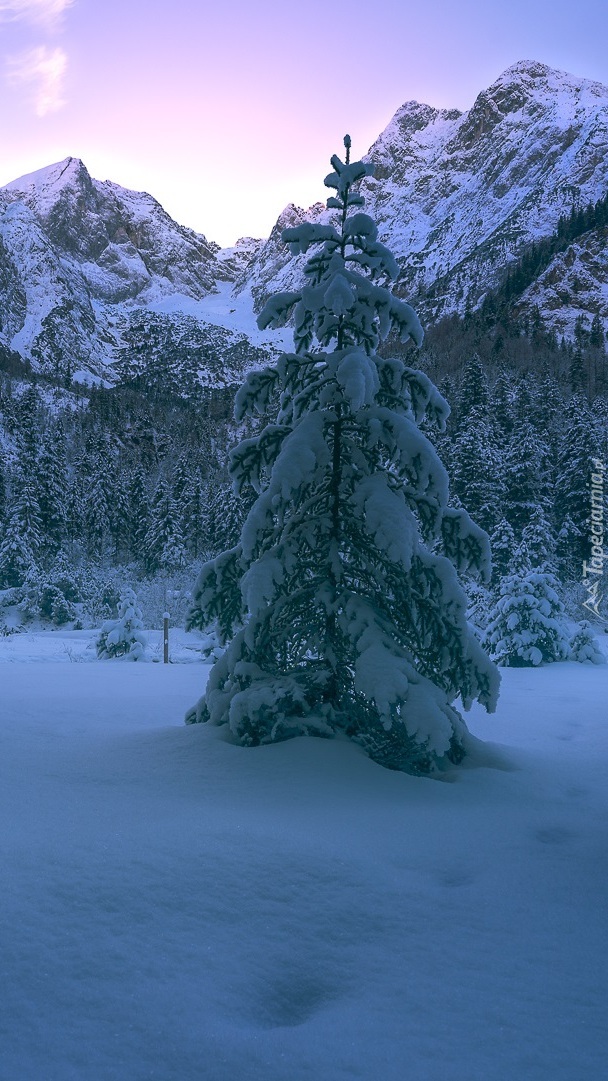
x=166, y=637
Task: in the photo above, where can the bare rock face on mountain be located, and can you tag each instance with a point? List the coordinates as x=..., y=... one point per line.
x=458, y=198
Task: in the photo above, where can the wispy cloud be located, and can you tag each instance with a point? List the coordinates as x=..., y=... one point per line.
x=47, y=12
x=42, y=70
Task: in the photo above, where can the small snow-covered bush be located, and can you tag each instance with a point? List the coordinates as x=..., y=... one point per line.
x=123, y=637
x=42, y=597
x=27, y=595
x=527, y=625
x=55, y=606
x=583, y=646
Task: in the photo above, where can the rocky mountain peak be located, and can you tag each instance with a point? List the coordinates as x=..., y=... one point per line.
x=51, y=180
x=537, y=79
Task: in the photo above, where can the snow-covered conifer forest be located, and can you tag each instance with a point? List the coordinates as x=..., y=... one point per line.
x=383, y=855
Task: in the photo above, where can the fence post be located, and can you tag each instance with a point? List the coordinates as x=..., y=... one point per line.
x=166, y=637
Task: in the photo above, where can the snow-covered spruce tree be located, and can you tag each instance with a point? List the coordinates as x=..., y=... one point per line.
x=527, y=625
x=338, y=616
x=22, y=541
x=3, y=493
x=476, y=472
x=125, y=636
x=539, y=540
x=51, y=488
x=502, y=542
x=164, y=548
x=583, y=646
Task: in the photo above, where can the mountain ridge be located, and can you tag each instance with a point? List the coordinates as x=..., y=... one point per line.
x=458, y=197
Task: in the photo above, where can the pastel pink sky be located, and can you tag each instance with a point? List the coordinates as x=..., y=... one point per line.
x=225, y=112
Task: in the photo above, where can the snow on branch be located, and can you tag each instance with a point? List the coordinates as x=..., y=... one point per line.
x=344, y=176
x=255, y=393
x=466, y=545
x=252, y=456
x=339, y=296
x=357, y=375
x=217, y=596
x=276, y=310
x=405, y=321
x=388, y=519
x=361, y=228
x=300, y=237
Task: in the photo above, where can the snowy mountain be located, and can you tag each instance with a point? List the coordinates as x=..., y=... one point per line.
x=459, y=196
x=86, y=265
x=80, y=259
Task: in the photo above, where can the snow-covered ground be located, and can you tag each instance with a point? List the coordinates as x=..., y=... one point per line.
x=177, y=908
x=223, y=308
x=79, y=646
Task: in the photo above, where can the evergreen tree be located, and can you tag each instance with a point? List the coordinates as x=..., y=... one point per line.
x=164, y=547
x=181, y=484
x=22, y=542
x=578, y=375
x=75, y=509
x=473, y=396
x=28, y=428
x=17, y=558
x=546, y=409
x=51, y=484
x=125, y=636
x=570, y=541
x=476, y=473
x=501, y=406
x=225, y=514
x=502, y=545
x=597, y=337
x=583, y=645
x=3, y=493
x=527, y=477
x=540, y=541
x=196, y=517
x=527, y=625
x=523, y=401
x=97, y=512
x=139, y=511
x=63, y=578
x=53, y=605
x=579, y=449
x=338, y=616
x=119, y=518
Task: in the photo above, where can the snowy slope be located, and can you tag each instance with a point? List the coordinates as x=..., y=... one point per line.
x=178, y=908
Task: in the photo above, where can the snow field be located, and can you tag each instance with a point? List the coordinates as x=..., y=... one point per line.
x=178, y=908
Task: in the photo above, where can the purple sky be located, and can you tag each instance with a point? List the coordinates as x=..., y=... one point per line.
x=226, y=112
